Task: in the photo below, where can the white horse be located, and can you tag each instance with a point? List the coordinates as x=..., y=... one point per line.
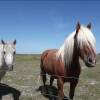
x=7, y=56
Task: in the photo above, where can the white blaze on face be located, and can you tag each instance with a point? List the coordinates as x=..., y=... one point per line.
x=9, y=59
x=9, y=50
x=1, y=54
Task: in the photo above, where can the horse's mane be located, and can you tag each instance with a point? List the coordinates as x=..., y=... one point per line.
x=84, y=36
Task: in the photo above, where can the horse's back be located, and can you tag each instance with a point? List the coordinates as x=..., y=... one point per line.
x=51, y=52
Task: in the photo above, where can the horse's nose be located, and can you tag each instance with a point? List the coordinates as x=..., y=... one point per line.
x=92, y=61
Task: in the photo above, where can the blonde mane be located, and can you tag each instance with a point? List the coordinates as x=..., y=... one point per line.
x=84, y=36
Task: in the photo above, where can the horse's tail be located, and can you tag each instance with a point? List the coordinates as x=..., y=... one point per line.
x=42, y=68
x=39, y=78
x=41, y=63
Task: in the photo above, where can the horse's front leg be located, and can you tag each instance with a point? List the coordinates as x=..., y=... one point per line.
x=73, y=85
x=0, y=97
x=60, y=89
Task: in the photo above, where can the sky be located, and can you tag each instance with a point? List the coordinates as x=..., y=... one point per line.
x=38, y=25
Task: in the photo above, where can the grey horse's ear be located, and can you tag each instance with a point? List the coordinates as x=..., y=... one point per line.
x=14, y=42
x=89, y=26
x=2, y=42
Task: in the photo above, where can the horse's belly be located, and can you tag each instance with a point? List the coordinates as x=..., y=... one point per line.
x=49, y=69
x=55, y=71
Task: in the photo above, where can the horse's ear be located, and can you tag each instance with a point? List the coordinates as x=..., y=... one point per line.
x=77, y=28
x=2, y=42
x=89, y=26
x=14, y=42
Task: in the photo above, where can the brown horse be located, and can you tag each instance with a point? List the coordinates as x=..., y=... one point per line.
x=63, y=64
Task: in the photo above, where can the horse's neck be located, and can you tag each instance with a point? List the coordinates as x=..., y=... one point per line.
x=75, y=58
x=2, y=74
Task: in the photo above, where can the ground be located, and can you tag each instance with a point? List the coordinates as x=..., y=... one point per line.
x=25, y=78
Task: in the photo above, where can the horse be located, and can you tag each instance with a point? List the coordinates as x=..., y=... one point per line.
x=5, y=90
x=8, y=55
x=63, y=63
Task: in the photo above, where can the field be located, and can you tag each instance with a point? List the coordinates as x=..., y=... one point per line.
x=25, y=75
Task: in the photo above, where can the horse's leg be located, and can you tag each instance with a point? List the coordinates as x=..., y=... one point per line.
x=16, y=94
x=51, y=80
x=73, y=84
x=43, y=75
x=16, y=97
x=44, y=78
x=60, y=89
x=0, y=97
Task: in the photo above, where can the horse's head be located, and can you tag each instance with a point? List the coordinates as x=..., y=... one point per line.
x=9, y=54
x=85, y=42
x=1, y=53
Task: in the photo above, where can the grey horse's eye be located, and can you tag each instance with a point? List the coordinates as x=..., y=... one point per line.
x=14, y=52
x=4, y=52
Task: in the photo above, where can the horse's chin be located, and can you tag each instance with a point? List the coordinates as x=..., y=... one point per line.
x=9, y=67
x=90, y=64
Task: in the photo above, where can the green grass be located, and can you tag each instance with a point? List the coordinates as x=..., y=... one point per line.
x=26, y=71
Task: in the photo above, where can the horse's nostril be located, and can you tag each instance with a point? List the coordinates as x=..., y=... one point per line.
x=90, y=60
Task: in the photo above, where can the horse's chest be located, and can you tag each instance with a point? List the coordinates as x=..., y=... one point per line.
x=74, y=72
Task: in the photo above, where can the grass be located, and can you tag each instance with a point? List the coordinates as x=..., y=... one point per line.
x=26, y=71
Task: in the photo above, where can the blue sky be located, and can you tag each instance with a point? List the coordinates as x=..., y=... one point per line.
x=43, y=24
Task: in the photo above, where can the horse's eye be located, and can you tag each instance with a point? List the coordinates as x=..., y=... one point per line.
x=4, y=52
x=14, y=52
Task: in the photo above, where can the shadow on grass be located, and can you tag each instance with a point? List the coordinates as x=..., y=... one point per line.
x=50, y=92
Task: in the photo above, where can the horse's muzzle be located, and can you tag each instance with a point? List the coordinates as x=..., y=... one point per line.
x=90, y=62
